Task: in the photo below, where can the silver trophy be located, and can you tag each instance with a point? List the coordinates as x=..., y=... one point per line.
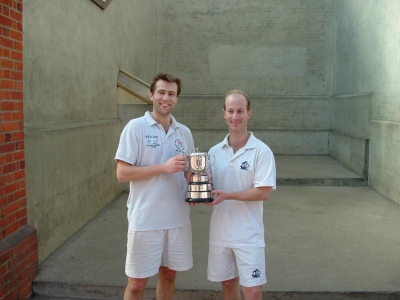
x=199, y=188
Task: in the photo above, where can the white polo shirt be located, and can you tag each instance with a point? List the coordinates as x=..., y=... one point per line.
x=158, y=202
x=239, y=223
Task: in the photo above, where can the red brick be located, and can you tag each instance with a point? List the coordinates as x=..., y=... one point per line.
x=6, y=32
x=11, y=208
x=10, y=188
x=9, y=180
x=17, y=75
x=6, y=42
x=5, y=105
x=7, y=95
x=5, y=21
x=17, y=136
x=3, y=268
x=16, y=35
x=21, y=213
x=22, y=222
x=18, y=26
x=7, y=147
x=12, y=228
x=20, y=154
x=7, y=84
x=16, y=15
x=6, y=63
x=17, y=55
x=18, y=116
x=6, y=11
x=6, y=74
x=5, y=256
x=7, y=127
x=19, y=175
x=19, y=106
x=21, y=145
x=9, y=157
x=19, y=126
x=19, y=65
x=7, y=3
x=7, y=52
x=17, y=95
x=18, y=46
x=12, y=218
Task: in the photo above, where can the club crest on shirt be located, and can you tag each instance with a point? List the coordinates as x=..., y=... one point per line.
x=180, y=146
x=152, y=141
x=244, y=166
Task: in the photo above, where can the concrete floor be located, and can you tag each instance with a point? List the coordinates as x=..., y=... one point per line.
x=323, y=242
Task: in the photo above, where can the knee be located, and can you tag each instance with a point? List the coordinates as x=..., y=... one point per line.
x=136, y=286
x=252, y=292
x=167, y=274
x=230, y=284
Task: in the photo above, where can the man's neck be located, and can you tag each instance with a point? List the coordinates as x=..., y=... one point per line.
x=238, y=140
x=165, y=121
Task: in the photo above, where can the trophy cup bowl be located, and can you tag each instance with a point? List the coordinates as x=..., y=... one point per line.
x=199, y=188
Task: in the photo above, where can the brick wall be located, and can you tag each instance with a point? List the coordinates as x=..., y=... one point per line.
x=18, y=241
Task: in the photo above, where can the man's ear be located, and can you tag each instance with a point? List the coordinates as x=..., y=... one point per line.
x=250, y=112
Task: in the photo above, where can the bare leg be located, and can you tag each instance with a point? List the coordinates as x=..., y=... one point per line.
x=135, y=288
x=230, y=289
x=166, y=284
x=252, y=293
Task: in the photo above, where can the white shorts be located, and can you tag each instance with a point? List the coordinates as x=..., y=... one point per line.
x=228, y=263
x=148, y=250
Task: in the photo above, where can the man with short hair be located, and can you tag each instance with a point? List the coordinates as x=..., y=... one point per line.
x=152, y=156
x=243, y=176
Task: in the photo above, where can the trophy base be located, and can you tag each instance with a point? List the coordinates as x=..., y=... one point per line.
x=199, y=200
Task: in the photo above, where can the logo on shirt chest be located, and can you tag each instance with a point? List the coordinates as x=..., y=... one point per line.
x=245, y=166
x=152, y=141
x=180, y=146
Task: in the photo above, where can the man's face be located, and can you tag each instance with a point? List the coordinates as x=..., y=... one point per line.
x=164, y=98
x=236, y=113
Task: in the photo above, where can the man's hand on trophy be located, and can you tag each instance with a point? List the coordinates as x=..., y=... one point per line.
x=220, y=196
x=175, y=164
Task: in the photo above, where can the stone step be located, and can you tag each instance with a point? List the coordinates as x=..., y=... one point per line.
x=288, y=125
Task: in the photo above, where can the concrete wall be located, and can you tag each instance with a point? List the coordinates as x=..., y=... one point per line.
x=279, y=52
x=350, y=131
x=288, y=125
x=72, y=55
x=366, y=59
x=263, y=47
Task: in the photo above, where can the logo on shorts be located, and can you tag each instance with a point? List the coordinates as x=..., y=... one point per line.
x=244, y=166
x=256, y=273
x=180, y=145
x=152, y=141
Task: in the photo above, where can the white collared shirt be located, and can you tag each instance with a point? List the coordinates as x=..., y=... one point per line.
x=239, y=223
x=158, y=202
